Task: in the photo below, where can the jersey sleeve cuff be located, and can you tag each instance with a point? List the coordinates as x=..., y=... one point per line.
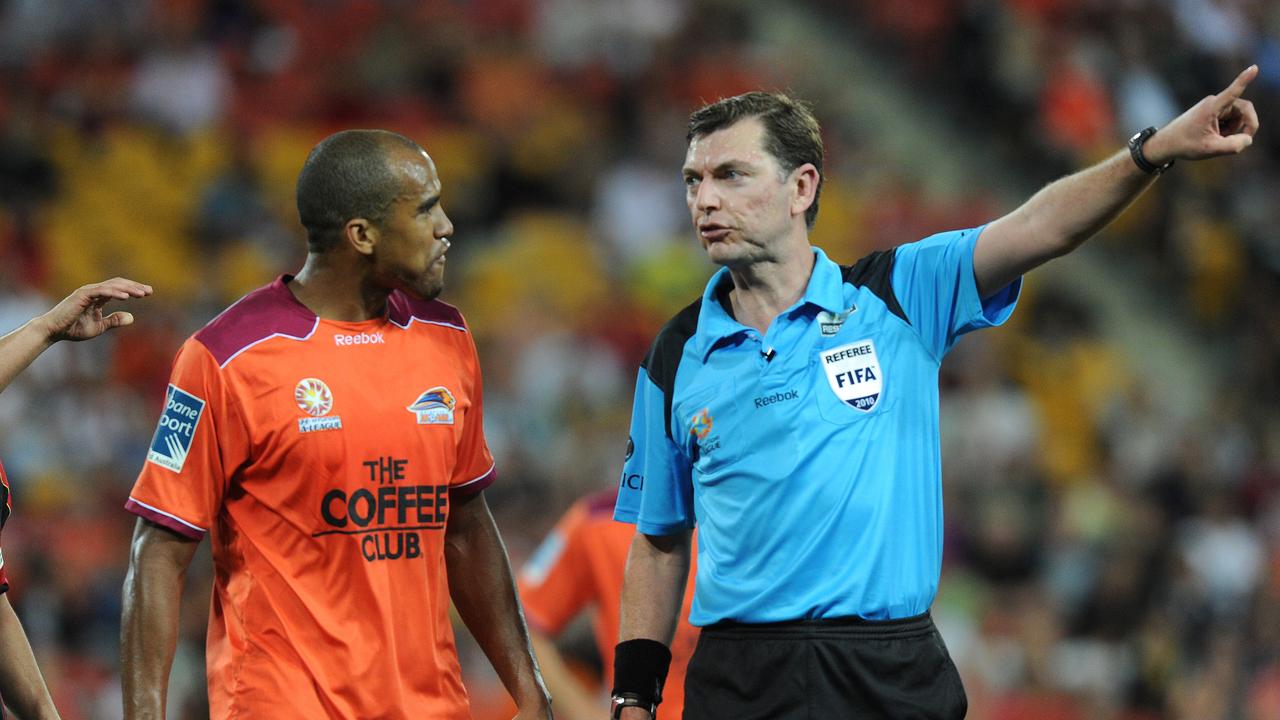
x=475, y=485
x=164, y=519
x=999, y=307
x=648, y=527
x=655, y=528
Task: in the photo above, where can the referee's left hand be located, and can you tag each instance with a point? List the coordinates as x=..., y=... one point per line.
x=1221, y=124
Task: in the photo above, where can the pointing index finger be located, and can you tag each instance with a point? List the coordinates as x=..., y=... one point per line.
x=1236, y=88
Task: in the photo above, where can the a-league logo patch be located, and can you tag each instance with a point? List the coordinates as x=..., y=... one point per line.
x=700, y=424
x=854, y=373
x=315, y=398
x=434, y=407
x=177, y=428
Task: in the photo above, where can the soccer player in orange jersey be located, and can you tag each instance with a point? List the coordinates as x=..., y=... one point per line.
x=326, y=433
x=580, y=565
x=78, y=317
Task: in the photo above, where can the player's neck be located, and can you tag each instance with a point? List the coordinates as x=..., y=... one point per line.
x=331, y=288
x=763, y=290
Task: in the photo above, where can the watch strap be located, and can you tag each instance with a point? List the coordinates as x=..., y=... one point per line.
x=1136, y=142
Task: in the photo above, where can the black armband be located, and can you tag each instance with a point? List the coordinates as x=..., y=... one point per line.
x=640, y=669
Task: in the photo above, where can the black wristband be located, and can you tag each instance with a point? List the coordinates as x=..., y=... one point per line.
x=640, y=669
x=1135, y=151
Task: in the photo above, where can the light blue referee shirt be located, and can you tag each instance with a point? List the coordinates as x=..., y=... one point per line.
x=808, y=457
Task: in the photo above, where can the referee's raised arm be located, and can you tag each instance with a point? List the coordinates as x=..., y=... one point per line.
x=1065, y=213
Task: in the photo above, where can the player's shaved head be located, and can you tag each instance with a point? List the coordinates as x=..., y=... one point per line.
x=348, y=175
x=792, y=134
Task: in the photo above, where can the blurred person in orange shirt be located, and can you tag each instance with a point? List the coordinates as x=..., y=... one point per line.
x=78, y=317
x=326, y=432
x=580, y=565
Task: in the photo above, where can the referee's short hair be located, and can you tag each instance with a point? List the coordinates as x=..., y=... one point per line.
x=347, y=176
x=792, y=134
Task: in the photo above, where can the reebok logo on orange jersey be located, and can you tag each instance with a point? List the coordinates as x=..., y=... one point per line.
x=360, y=339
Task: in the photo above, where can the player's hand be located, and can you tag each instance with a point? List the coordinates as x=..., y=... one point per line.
x=1222, y=124
x=79, y=316
x=634, y=713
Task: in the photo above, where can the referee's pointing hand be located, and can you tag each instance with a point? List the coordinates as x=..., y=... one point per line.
x=1221, y=124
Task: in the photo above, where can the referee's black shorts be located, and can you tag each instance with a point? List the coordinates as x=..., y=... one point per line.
x=842, y=669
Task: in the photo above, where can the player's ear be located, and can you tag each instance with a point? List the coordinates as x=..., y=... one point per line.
x=361, y=235
x=804, y=188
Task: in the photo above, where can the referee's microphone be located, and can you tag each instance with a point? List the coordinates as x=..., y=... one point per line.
x=769, y=354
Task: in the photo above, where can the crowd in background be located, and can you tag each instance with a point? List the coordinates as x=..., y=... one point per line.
x=1113, y=542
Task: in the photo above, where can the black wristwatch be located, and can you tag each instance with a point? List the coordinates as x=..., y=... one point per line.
x=626, y=700
x=1135, y=151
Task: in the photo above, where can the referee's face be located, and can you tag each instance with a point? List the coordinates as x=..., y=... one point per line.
x=414, y=236
x=737, y=195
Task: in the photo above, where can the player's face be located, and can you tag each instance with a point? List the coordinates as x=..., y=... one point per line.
x=413, y=238
x=737, y=194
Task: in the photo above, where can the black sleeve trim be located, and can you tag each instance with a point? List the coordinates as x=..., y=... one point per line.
x=875, y=272
x=664, y=355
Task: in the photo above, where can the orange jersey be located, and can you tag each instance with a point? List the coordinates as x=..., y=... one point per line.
x=581, y=564
x=321, y=458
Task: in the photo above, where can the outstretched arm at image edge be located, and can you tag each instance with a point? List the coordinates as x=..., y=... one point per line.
x=78, y=317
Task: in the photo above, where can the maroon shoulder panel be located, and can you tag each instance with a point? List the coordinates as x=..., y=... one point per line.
x=267, y=311
x=403, y=309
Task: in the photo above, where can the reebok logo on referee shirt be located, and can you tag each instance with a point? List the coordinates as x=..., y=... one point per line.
x=777, y=397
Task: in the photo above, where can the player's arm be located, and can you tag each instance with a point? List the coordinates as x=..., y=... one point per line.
x=78, y=317
x=158, y=561
x=1069, y=211
x=484, y=591
x=652, y=595
x=21, y=683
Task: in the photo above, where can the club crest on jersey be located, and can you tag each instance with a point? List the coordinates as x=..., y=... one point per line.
x=829, y=323
x=315, y=399
x=434, y=407
x=854, y=373
x=177, y=428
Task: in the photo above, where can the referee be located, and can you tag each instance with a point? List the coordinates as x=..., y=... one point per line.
x=791, y=413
